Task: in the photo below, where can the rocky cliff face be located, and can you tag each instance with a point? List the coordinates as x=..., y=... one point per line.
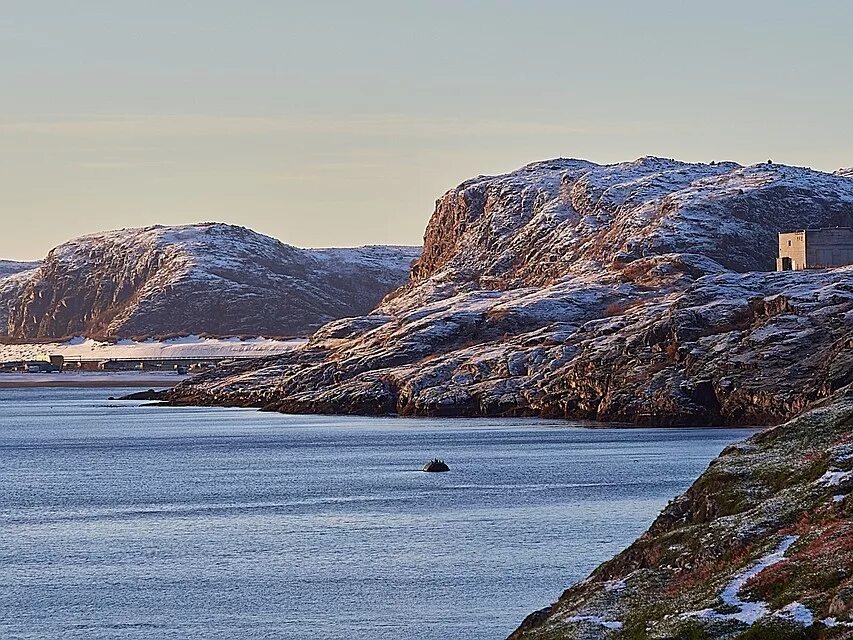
x=761, y=546
x=637, y=292
x=212, y=279
x=14, y=277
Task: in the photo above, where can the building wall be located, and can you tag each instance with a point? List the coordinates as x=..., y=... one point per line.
x=829, y=247
x=792, y=246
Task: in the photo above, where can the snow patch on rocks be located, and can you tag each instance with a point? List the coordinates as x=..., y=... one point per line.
x=796, y=612
x=81, y=348
x=834, y=478
x=749, y=612
x=12, y=267
x=595, y=620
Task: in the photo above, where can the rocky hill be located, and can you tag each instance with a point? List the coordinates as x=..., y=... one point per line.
x=760, y=547
x=212, y=279
x=636, y=292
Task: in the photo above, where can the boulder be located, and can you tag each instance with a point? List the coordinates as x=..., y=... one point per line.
x=436, y=466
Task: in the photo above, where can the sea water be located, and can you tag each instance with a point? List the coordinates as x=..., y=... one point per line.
x=126, y=521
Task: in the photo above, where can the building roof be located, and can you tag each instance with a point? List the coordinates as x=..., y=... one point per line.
x=818, y=229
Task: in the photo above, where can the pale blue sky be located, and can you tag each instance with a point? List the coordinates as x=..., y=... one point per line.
x=339, y=123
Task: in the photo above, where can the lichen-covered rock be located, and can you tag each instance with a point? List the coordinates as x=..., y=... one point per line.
x=761, y=546
x=841, y=605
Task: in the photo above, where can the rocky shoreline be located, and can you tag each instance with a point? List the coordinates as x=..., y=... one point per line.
x=761, y=546
x=731, y=350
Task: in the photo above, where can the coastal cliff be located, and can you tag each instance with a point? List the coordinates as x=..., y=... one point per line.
x=760, y=547
x=638, y=292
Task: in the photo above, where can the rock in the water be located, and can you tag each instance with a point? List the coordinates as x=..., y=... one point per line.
x=436, y=466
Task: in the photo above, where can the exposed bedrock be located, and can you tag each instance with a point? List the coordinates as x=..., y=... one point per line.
x=637, y=292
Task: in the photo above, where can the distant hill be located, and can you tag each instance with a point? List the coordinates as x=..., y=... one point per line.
x=11, y=267
x=208, y=279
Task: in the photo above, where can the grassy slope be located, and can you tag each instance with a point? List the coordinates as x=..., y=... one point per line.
x=753, y=495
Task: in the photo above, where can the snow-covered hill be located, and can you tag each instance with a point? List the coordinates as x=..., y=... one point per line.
x=639, y=291
x=211, y=279
x=11, y=267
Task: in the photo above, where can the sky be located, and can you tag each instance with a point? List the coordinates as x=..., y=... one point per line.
x=339, y=123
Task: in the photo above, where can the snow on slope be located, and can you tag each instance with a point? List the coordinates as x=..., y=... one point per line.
x=549, y=219
x=638, y=291
x=11, y=267
x=12, y=284
x=185, y=347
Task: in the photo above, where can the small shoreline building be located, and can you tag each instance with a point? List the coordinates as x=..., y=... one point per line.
x=815, y=249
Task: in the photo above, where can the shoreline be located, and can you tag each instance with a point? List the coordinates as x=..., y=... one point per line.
x=93, y=380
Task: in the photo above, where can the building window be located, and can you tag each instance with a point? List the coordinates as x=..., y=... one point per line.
x=789, y=243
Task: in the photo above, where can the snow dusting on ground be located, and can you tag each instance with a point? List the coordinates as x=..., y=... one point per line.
x=191, y=347
x=834, y=477
x=750, y=612
x=12, y=267
x=596, y=620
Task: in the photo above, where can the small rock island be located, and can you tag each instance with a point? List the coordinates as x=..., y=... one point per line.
x=436, y=466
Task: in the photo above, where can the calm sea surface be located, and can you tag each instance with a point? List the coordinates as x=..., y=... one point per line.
x=123, y=521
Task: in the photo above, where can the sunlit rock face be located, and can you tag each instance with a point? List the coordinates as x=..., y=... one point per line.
x=638, y=292
x=212, y=279
x=14, y=277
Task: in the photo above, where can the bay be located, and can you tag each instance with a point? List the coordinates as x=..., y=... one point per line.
x=137, y=522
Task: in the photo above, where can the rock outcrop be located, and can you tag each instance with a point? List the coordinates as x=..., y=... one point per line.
x=636, y=292
x=761, y=546
x=211, y=279
x=436, y=466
